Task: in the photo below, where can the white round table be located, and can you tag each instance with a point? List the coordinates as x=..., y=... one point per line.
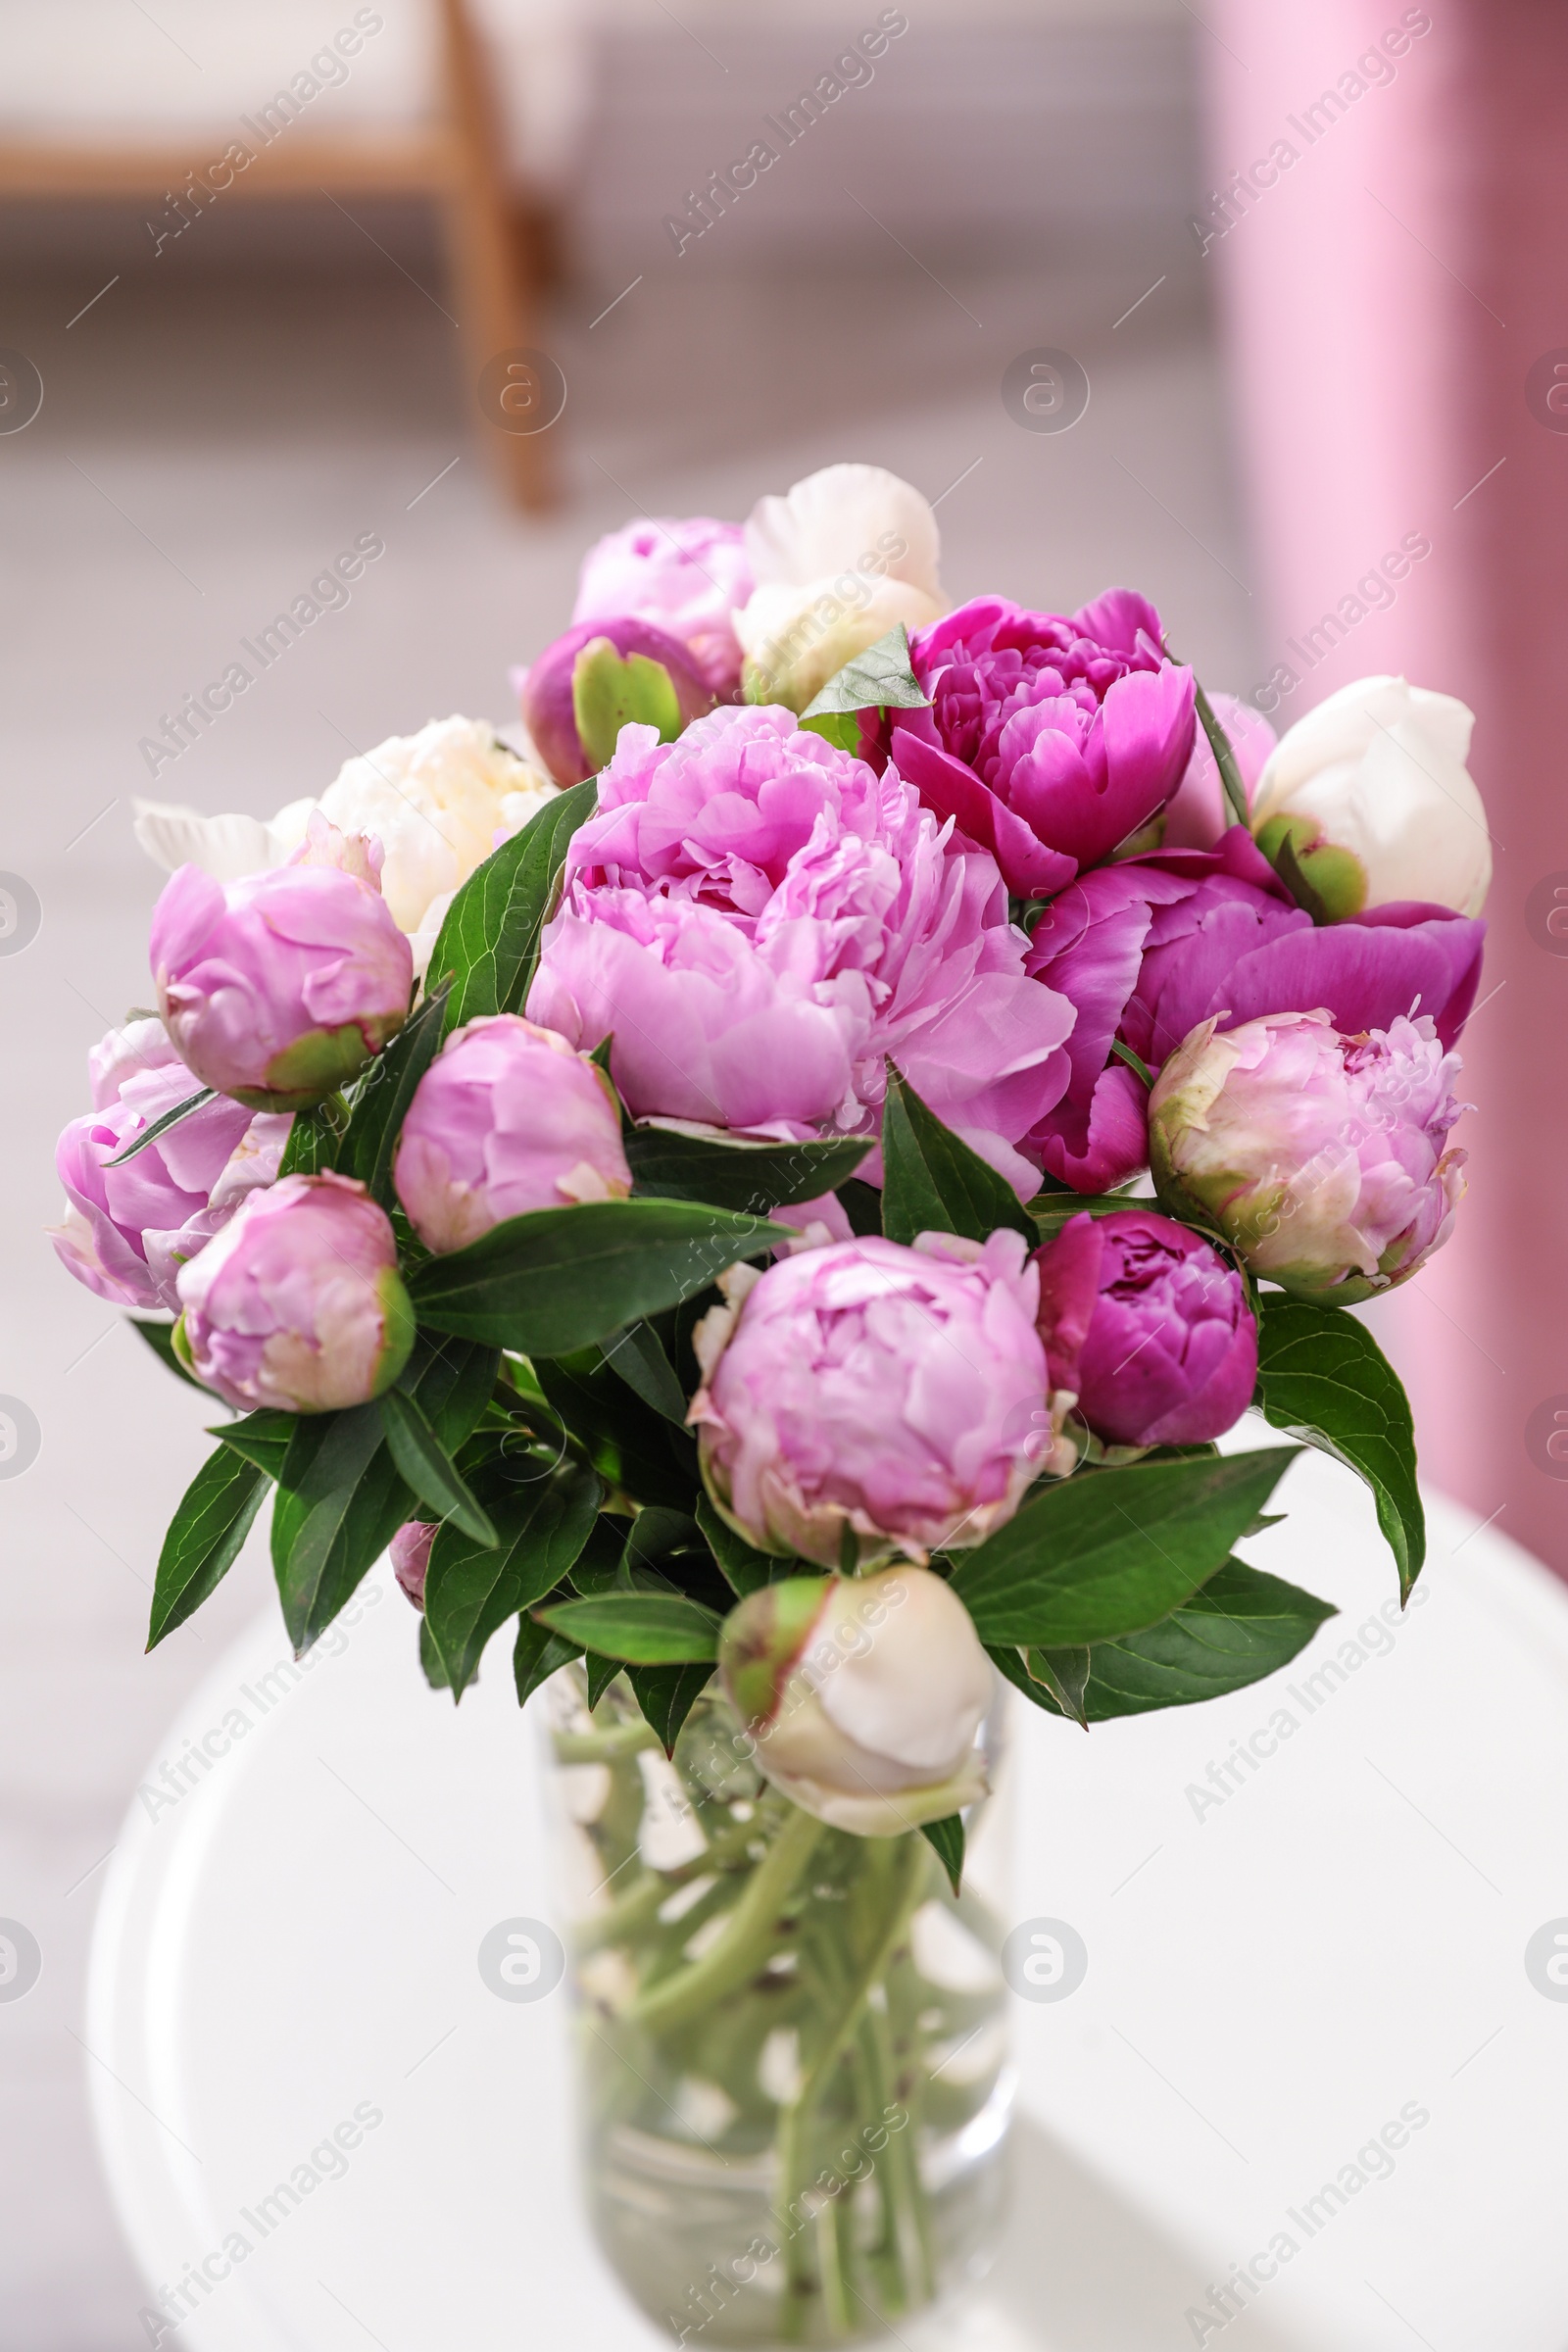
x=1306, y=2042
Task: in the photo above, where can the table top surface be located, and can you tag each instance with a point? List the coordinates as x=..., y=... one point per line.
x=1306, y=1910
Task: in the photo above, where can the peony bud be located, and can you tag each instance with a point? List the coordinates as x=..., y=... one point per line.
x=279, y=988
x=1147, y=1329
x=127, y=1230
x=597, y=677
x=410, y=1550
x=506, y=1118
x=864, y=1695
x=874, y=1398
x=298, y=1303
x=1323, y=1158
x=684, y=574
x=1372, y=792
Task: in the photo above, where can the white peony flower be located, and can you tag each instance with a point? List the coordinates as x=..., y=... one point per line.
x=838, y=562
x=1373, y=790
x=436, y=800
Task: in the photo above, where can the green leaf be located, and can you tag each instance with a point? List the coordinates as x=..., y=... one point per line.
x=933, y=1183
x=161, y=1126
x=946, y=1837
x=262, y=1438
x=841, y=728
x=559, y=1279
x=632, y=1447
x=744, y=1568
x=1107, y=1552
x=314, y=1139
x=600, y=1673
x=383, y=1096
x=1323, y=1378
x=1135, y=1061
x=643, y=1629
x=489, y=942
x=1050, y=1211
x=1240, y=1628
x=472, y=1589
x=160, y=1338
x=430, y=1658
x=538, y=1654
x=666, y=1696
x=608, y=693
x=861, y=1203
x=654, y=1537
x=680, y=1163
x=204, y=1537
x=424, y=1464
x=879, y=678
x=637, y=1356
x=1219, y=742
x=1064, y=1674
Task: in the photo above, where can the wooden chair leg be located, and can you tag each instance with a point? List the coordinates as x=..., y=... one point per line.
x=496, y=295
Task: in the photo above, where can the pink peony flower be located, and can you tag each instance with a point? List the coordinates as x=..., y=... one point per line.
x=760, y=921
x=1324, y=1158
x=298, y=1303
x=1051, y=740
x=545, y=689
x=898, y=1394
x=279, y=988
x=128, y=1231
x=410, y=1550
x=1148, y=1328
x=506, y=1118
x=686, y=576
x=1150, y=946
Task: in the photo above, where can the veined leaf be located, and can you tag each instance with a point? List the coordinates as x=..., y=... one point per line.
x=933, y=1183
x=1322, y=1376
x=204, y=1537
x=559, y=1279
x=537, y=1657
x=424, y=1464
x=161, y=1126
x=382, y=1098
x=1239, y=1628
x=160, y=1338
x=666, y=1696
x=637, y=1356
x=946, y=1836
x=489, y=942
x=642, y=1628
x=314, y=1139
x=262, y=1436
x=471, y=1588
x=676, y=1164
x=632, y=1447
x=1107, y=1553
x=879, y=678
x=744, y=1569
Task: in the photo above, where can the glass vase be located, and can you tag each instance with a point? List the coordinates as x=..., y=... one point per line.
x=792, y=2043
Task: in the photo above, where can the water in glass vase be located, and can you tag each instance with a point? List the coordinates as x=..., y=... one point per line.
x=792, y=2040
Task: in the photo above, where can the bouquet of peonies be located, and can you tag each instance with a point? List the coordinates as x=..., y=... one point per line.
x=678, y=1183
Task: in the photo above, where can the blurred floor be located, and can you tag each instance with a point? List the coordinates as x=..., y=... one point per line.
x=204, y=448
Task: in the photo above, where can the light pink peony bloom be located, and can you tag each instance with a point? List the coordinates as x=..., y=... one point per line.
x=128, y=1231
x=279, y=988
x=298, y=1303
x=506, y=1118
x=896, y=1393
x=865, y=1696
x=761, y=921
x=410, y=1550
x=687, y=575
x=1324, y=1158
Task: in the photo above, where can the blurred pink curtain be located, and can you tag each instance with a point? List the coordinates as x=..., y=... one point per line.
x=1394, y=296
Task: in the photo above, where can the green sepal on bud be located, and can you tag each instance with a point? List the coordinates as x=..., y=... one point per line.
x=608, y=693
x=1328, y=881
x=763, y=1640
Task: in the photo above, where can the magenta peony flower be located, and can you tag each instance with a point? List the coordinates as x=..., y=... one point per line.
x=128, y=1231
x=760, y=921
x=1150, y=948
x=1198, y=813
x=410, y=1550
x=1148, y=1328
x=864, y=1695
x=279, y=988
x=1051, y=740
x=1324, y=1158
x=506, y=1118
x=544, y=688
x=687, y=575
x=298, y=1303
x=895, y=1394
